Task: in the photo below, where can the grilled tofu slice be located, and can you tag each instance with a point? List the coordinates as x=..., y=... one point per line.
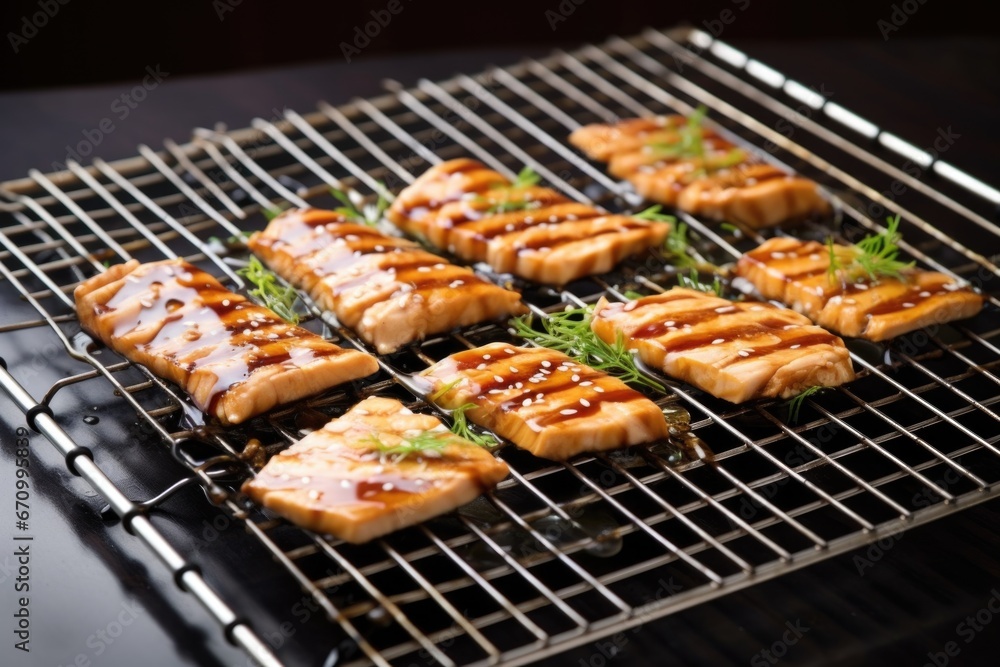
x=376, y=469
x=388, y=290
x=723, y=182
x=543, y=401
x=797, y=273
x=736, y=351
x=533, y=232
x=236, y=359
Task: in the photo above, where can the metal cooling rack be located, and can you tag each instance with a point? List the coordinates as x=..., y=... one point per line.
x=558, y=554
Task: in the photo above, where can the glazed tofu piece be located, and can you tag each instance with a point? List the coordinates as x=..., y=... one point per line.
x=797, y=273
x=388, y=290
x=736, y=351
x=717, y=180
x=234, y=358
x=757, y=195
x=532, y=232
x=543, y=401
x=376, y=469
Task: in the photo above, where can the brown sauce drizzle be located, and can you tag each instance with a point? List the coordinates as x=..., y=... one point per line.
x=596, y=401
x=179, y=299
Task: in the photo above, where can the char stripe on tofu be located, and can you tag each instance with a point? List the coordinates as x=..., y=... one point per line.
x=797, y=273
x=236, y=359
x=544, y=401
x=533, y=232
x=721, y=182
x=736, y=351
x=361, y=477
x=388, y=290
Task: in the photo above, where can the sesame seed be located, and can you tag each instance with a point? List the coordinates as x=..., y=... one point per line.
x=546, y=364
x=497, y=378
x=147, y=303
x=599, y=390
x=518, y=385
x=481, y=367
x=567, y=411
x=777, y=255
x=925, y=294
x=630, y=306
x=387, y=486
x=246, y=332
x=718, y=341
x=908, y=305
x=486, y=357
x=424, y=269
x=725, y=309
x=313, y=494
x=743, y=353
x=586, y=383
x=796, y=346
x=526, y=402
x=788, y=327
x=456, y=283
x=575, y=378
x=345, y=484
x=496, y=391
x=225, y=302
x=513, y=369
x=584, y=402
x=508, y=350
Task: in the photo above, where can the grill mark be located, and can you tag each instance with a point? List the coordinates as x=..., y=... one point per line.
x=624, y=395
x=521, y=224
x=552, y=243
x=732, y=333
x=805, y=342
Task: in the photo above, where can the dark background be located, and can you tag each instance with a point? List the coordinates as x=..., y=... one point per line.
x=90, y=42
x=939, y=69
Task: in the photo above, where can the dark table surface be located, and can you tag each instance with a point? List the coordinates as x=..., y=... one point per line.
x=99, y=598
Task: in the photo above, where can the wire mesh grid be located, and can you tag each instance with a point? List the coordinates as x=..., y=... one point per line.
x=557, y=554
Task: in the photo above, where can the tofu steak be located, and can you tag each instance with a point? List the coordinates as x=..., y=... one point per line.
x=361, y=476
x=543, y=401
x=389, y=290
x=736, y=351
x=234, y=358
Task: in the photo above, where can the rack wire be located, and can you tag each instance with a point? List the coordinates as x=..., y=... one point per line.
x=558, y=554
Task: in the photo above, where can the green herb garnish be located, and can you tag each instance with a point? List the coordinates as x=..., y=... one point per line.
x=794, y=404
x=417, y=444
x=525, y=178
x=272, y=212
x=269, y=291
x=875, y=256
x=689, y=144
x=692, y=281
x=569, y=332
x=460, y=427
x=731, y=228
x=632, y=295
x=369, y=214
x=653, y=214
x=678, y=248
